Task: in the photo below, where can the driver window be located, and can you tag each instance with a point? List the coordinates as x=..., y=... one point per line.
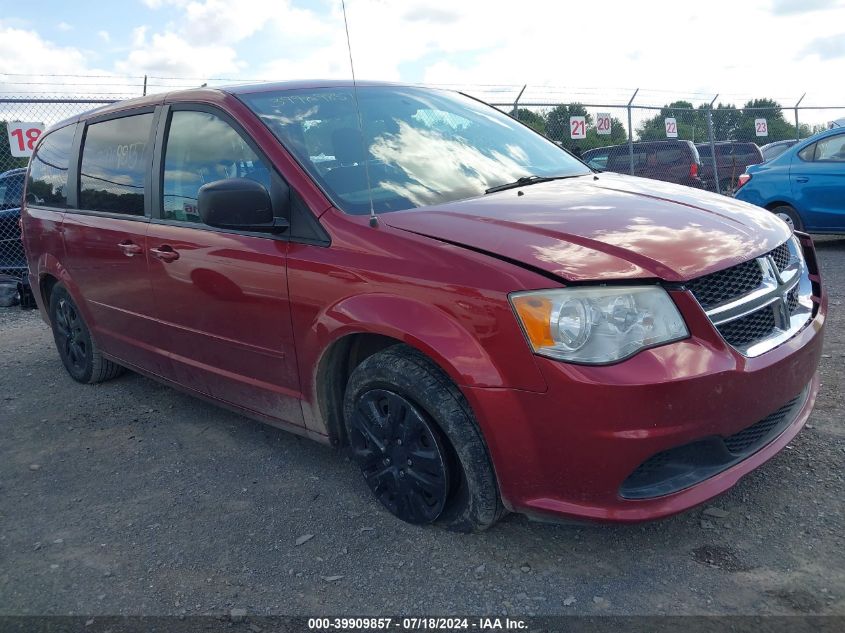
x=831, y=149
x=202, y=148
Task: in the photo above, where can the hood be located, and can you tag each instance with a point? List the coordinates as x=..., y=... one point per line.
x=604, y=227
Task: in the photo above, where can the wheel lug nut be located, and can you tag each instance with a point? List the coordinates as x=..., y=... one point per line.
x=387, y=461
x=398, y=442
x=410, y=463
x=401, y=473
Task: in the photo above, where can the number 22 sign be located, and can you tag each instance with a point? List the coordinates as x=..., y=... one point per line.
x=23, y=137
x=577, y=127
x=671, y=127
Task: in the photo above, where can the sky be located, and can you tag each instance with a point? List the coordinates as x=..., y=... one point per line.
x=595, y=52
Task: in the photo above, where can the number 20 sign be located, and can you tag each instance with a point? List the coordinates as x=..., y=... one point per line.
x=577, y=127
x=23, y=137
x=603, y=123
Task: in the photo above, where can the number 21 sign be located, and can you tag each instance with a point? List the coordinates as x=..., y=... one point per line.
x=577, y=127
x=23, y=137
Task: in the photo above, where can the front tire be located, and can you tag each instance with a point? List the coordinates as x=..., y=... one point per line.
x=80, y=355
x=416, y=441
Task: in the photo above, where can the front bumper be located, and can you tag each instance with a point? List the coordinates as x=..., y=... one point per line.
x=568, y=451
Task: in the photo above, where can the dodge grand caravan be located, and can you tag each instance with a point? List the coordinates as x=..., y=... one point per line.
x=486, y=322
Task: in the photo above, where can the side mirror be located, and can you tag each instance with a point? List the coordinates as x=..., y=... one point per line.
x=238, y=204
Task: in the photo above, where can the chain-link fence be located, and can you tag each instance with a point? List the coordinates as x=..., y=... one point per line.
x=706, y=146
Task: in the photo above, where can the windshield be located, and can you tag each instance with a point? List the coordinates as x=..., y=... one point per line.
x=419, y=146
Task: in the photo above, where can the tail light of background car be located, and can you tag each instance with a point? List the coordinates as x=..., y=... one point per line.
x=693, y=170
x=743, y=178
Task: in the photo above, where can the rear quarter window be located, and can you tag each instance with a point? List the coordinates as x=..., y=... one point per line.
x=48, y=169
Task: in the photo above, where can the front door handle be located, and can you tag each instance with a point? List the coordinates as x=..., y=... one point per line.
x=165, y=253
x=802, y=179
x=129, y=248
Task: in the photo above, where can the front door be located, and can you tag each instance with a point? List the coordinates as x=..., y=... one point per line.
x=221, y=295
x=817, y=177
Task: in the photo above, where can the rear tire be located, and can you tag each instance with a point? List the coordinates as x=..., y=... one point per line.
x=790, y=216
x=79, y=353
x=399, y=394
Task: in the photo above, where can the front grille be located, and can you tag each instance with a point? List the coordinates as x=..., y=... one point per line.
x=718, y=287
x=782, y=256
x=792, y=300
x=749, y=328
x=683, y=466
x=758, y=304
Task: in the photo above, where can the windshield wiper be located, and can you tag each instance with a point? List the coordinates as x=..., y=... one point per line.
x=527, y=180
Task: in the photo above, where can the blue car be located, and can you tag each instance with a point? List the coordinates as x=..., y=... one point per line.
x=804, y=186
x=12, y=259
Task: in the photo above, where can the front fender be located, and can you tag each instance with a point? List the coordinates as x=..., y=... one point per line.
x=475, y=344
x=440, y=335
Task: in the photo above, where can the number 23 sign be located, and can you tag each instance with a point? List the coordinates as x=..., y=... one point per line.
x=23, y=137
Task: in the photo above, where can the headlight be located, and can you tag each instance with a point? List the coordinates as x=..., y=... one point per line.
x=597, y=325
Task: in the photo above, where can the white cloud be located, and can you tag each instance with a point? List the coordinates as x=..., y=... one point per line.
x=25, y=52
x=168, y=54
x=104, y=35
x=139, y=36
x=64, y=26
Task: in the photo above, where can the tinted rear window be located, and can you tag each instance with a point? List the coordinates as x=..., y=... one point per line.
x=48, y=169
x=113, y=171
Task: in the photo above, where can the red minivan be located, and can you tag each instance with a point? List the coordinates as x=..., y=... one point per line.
x=486, y=322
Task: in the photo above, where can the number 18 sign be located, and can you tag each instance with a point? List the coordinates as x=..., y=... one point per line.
x=23, y=137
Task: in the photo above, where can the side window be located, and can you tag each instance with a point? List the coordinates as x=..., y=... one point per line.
x=807, y=153
x=202, y=148
x=113, y=170
x=48, y=169
x=831, y=149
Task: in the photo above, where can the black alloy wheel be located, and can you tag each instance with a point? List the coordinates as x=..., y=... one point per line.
x=400, y=454
x=80, y=354
x=71, y=339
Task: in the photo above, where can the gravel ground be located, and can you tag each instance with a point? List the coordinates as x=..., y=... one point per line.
x=131, y=498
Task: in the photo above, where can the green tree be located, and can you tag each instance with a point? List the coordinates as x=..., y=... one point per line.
x=558, y=129
x=557, y=123
x=617, y=136
x=779, y=128
x=692, y=123
x=726, y=118
x=532, y=119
